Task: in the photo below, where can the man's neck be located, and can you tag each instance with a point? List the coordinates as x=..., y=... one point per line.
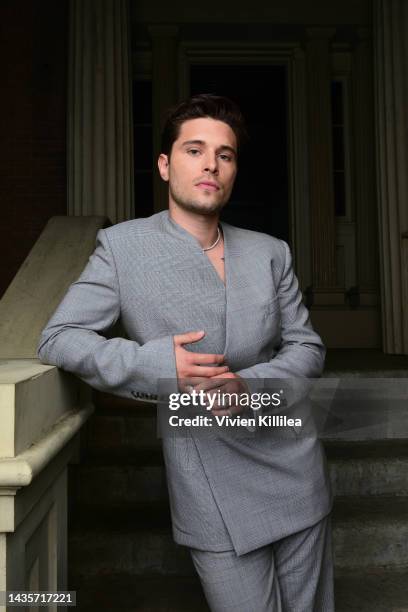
x=202, y=227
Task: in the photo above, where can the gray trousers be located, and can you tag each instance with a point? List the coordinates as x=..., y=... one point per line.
x=294, y=574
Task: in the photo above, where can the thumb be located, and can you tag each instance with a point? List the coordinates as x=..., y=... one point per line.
x=192, y=336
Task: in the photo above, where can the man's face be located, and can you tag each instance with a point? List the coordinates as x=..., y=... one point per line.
x=202, y=166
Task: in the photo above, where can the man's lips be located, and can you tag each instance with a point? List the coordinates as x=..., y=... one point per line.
x=208, y=185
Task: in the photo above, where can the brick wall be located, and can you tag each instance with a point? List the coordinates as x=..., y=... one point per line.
x=33, y=71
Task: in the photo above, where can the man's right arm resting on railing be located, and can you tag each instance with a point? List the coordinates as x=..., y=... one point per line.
x=74, y=337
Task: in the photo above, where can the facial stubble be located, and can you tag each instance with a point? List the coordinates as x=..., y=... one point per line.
x=191, y=205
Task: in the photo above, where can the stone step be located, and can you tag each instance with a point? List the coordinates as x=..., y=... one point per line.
x=364, y=362
x=105, y=433
x=368, y=468
x=370, y=531
x=123, y=474
x=150, y=593
x=135, y=552
x=132, y=424
x=137, y=539
x=118, y=484
x=121, y=423
x=373, y=590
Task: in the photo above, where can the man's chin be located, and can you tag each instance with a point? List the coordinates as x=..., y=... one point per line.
x=201, y=208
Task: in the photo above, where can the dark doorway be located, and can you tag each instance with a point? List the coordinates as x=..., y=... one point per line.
x=260, y=197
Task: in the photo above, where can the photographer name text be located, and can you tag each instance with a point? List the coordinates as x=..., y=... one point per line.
x=234, y=421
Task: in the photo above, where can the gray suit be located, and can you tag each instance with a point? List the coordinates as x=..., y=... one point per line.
x=225, y=493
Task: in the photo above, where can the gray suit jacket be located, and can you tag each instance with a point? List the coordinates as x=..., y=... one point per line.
x=225, y=492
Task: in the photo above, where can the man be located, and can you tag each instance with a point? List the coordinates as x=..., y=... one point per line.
x=210, y=305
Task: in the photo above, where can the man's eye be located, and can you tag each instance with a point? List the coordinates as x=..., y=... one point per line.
x=225, y=157
x=194, y=152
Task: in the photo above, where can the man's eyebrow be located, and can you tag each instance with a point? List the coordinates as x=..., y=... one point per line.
x=189, y=142
x=227, y=148
x=202, y=142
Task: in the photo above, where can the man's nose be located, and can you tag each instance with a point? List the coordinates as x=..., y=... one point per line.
x=211, y=163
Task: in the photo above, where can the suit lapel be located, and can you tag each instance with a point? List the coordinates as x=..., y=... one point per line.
x=236, y=281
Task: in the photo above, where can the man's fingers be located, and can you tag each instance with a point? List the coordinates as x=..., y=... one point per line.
x=188, y=337
x=206, y=358
x=198, y=358
x=231, y=412
x=207, y=371
x=215, y=382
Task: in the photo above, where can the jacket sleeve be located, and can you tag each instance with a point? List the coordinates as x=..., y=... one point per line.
x=301, y=352
x=74, y=338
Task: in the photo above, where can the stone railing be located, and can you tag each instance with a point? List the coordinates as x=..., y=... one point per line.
x=42, y=411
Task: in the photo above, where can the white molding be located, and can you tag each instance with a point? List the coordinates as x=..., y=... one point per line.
x=19, y=471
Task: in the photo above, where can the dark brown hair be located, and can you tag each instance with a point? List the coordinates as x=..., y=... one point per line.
x=200, y=106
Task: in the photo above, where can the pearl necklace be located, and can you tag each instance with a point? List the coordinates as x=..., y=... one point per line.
x=215, y=243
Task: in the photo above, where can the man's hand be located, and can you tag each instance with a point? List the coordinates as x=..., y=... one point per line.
x=224, y=383
x=193, y=367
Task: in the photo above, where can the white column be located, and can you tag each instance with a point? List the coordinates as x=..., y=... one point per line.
x=100, y=127
x=391, y=92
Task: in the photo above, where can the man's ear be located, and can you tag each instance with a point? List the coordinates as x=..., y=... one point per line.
x=163, y=165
